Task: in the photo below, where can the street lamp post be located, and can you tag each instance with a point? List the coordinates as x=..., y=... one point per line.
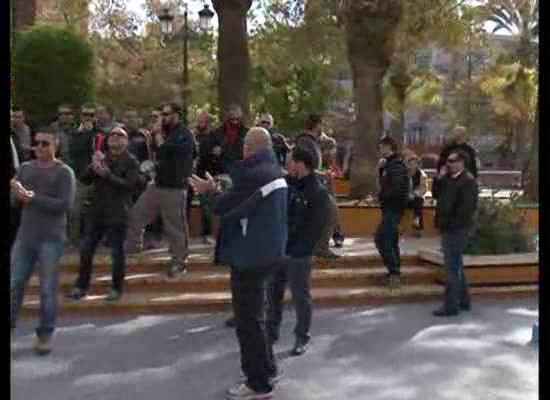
x=166, y=19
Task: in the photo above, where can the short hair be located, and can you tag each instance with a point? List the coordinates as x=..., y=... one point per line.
x=88, y=106
x=175, y=107
x=462, y=155
x=313, y=120
x=47, y=130
x=300, y=154
x=390, y=142
x=65, y=105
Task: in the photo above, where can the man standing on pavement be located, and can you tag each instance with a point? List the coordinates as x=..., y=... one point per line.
x=114, y=178
x=45, y=189
x=456, y=192
x=309, y=206
x=252, y=241
x=310, y=141
x=206, y=163
x=81, y=149
x=167, y=195
x=393, y=197
x=458, y=142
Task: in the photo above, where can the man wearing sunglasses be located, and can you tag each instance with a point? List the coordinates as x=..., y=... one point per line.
x=456, y=192
x=114, y=179
x=81, y=144
x=64, y=126
x=167, y=195
x=45, y=190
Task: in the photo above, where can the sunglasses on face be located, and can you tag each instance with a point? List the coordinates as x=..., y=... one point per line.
x=88, y=115
x=165, y=114
x=65, y=113
x=43, y=143
x=265, y=123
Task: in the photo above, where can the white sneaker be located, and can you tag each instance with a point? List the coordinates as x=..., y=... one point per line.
x=242, y=392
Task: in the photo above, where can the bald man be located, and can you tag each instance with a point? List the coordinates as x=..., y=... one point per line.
x=252, y=241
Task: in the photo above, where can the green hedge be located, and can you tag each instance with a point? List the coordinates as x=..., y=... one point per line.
x=52, y=65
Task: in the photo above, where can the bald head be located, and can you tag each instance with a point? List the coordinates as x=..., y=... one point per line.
x=255, y=140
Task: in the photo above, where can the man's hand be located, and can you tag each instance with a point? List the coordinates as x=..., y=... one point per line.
x=217, y=151
x=27, y=197
x=202, y=186
x=102, y=170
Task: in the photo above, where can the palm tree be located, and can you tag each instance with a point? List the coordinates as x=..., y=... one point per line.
x=520, y=18
x=370, y=28
x=233, y=55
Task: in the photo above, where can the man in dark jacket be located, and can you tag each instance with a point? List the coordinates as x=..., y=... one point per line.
x=114, y=179
x=393, y=197
x=309, y=206
x=280, y=145
x=65, y=127
x=167, y=195
x=225, y=144
x=311, y=140
x=252, y=241
x=456, y=192
x=458, y=142
x=81, y=144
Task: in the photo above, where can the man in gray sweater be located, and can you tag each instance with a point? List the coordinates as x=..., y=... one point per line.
x=44, y=188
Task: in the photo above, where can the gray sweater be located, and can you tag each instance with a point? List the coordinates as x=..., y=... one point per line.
x=44, y=217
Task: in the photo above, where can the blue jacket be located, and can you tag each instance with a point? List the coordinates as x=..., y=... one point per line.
x=253, y=225
x=175, y=159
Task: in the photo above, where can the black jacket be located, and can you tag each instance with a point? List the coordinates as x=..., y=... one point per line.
x=395, y=184
x=175, y=159
x=471, y=165
x=280, y=147
x=309, y=210
x=231, y=152
x=207, y=162
x=312, y=145
x=111, y=197
x=456, y=201
x=81, y=149
x=139, y=145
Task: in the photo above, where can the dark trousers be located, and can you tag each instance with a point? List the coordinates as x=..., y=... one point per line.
x=116, y=235
x=453, y=244
x=387, y=239
x=15, y=218
x=297, y=272
x=248, y=290
x=417, y=204
x=206, y=217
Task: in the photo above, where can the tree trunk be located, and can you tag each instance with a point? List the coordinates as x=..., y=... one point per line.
x=25, y=13
x=233, y=55
x=532, y=180
x=400, y=81
x=370, y=27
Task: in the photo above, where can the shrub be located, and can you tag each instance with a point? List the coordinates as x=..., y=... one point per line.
x=52, y=65
x=499, y=229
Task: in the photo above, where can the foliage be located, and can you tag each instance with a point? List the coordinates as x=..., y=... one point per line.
x=498, y=229
x=53, y=65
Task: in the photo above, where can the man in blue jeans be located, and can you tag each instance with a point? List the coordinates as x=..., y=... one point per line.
x=393, y=197
x=309, y=205
x=114, y=177
x=45, y=189
x=456, y=192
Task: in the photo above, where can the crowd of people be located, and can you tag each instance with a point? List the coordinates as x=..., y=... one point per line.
x=277, y=210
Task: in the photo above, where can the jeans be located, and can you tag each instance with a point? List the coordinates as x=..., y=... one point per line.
x=24, y=257
x=116, y=235
x=297, y=272
x=417, y=204
x=453, y=244
x=206, y=216
x=248, y=290
x=387, y=239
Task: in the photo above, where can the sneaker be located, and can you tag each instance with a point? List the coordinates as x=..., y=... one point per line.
x=394, y=281
x=339, y=244
x=43, y=345
x=177, y=271
x=273, y=379
x=243, y=392
x=114, y=295
x=76, y=294
x=300, y=347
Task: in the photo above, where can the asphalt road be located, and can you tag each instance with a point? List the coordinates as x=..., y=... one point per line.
x=399, y=352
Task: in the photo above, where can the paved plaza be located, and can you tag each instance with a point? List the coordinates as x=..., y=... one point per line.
x=398, y=352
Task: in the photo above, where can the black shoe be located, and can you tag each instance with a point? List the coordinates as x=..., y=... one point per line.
x=300, y=347
x=76, y=294
x=338, y=244
x=231, y=323
x=275, y=378
x=466, y=307
x=443, y=312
